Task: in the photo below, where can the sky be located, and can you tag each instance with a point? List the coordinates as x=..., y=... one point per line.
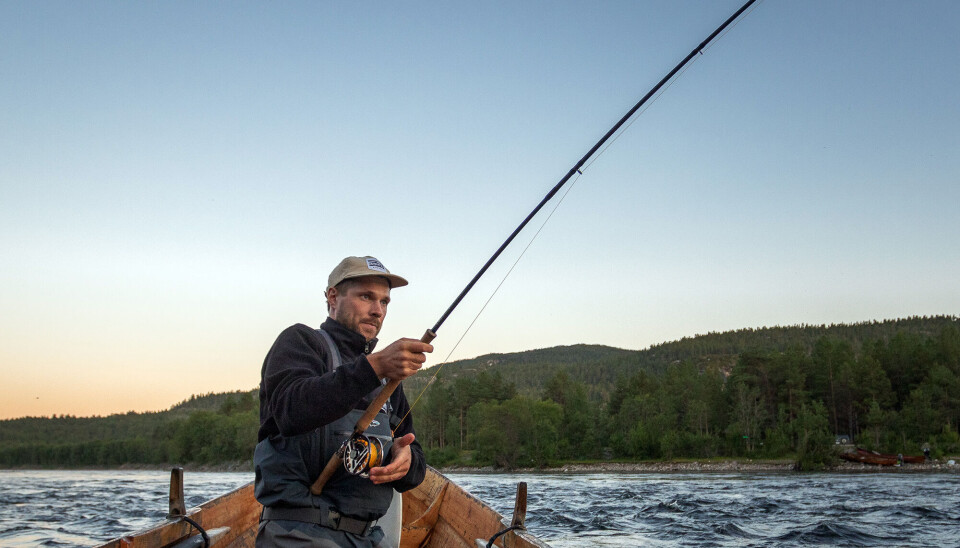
x=177, y=179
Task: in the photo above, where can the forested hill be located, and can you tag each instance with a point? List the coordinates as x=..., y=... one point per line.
x=71, y=429
x=598, y=367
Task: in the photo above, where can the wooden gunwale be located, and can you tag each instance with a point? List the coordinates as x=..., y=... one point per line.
x=438, y=513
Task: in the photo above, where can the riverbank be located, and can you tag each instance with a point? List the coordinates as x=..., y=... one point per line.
x=712, y=466
x=747, y=465
x=234, y=466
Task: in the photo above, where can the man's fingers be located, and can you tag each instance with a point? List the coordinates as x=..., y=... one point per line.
x=391, y=472
x=385, y=478
x=400, y=465
x=400, y=359
x=404, y=441
x=418, y=347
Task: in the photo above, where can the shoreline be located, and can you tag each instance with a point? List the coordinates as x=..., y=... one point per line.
x=706, y=467
x=725, y=466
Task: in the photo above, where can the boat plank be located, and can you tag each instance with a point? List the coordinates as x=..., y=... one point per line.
x=164, y=534
x=469, y=517
x=239, y=510
x=416, y=532
x=215, y=537
x=247, y=539
x=446, y=536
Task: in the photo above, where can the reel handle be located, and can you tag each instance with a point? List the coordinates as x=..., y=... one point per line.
x=336, y=460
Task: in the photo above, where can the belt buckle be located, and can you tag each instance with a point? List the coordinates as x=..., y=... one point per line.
x=334, y=518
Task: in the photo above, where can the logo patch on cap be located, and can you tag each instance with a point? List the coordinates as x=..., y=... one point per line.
x=374, y=264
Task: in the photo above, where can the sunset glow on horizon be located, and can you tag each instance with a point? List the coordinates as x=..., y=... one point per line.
x=178, y=179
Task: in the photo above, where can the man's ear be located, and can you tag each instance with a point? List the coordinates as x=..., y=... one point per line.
x=331, y=300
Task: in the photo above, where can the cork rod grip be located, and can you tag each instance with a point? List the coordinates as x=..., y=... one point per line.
x=363, y=424
x=327, y=473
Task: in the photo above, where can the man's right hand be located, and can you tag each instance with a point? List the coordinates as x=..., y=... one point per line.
x=400, y=359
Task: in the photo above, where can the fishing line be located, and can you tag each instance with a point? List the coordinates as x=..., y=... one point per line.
x=573, y=176
x=335, y=461
x=573, y=183
x=632, y=121
x=634, y=115
x=446, y=360
x=668, y=86
x=730, y=27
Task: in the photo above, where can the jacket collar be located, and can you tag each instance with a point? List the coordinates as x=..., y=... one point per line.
x=347, y=337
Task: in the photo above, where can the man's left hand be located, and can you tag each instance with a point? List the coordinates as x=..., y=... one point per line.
x=399, y=465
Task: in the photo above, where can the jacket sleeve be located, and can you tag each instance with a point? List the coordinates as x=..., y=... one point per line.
x=300, y=393
x=418, y=463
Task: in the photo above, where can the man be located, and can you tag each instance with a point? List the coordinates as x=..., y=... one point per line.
x=315, y=384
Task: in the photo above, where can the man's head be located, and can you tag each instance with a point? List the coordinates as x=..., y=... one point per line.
x=358, y=291
x=359, y=267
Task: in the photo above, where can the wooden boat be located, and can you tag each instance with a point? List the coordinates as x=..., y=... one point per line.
x=438, y=513
x=868, y=459
x=880, y=459
x=908, y=459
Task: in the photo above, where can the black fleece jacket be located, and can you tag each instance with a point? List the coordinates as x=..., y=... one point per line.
x=299, y=394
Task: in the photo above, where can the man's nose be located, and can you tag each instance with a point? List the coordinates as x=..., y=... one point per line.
x=377, y=309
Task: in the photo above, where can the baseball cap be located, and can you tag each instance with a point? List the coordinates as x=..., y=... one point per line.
x=357, y=267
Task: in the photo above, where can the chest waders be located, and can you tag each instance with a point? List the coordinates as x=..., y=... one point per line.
x=369, y=449
x=287, y=465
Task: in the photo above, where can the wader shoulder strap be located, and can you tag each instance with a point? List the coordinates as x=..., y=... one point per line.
x=334, y=361
x=333, y=353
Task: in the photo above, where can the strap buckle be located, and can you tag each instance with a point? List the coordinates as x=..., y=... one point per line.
x=343, y=523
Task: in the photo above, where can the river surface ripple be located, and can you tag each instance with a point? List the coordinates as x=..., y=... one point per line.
x=83, y=508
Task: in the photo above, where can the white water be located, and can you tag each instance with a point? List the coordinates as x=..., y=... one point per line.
x=82, y=508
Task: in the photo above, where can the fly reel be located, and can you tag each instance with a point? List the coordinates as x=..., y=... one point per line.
x=361, y=453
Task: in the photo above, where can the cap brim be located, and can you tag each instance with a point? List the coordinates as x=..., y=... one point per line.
x=395, y=281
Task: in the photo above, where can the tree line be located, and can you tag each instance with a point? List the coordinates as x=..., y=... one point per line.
x=216, y=428
x=895, y=395
x=774, y=393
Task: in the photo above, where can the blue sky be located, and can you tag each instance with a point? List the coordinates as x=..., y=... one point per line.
x=177, y=179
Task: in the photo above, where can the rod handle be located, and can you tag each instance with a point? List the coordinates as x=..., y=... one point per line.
x=327, y=473
x=385, y=394
x=362, y=424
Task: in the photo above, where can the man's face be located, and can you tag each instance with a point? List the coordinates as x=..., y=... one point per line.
x=362, y=305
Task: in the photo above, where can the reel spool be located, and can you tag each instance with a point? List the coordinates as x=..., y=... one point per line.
x=361, y=453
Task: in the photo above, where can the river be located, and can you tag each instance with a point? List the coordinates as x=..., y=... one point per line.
x=83, y=508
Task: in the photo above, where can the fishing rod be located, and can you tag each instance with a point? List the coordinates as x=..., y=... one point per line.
x=358, y=447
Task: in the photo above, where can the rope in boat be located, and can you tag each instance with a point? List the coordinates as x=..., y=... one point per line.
x=504, y=532
x=203, y=533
